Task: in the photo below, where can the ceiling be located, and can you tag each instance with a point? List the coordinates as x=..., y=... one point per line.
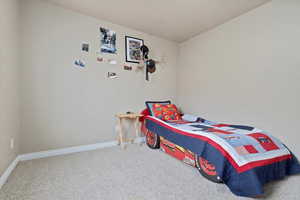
x=176, y=20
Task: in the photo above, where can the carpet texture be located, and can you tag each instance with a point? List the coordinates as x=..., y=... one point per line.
x=137, y=173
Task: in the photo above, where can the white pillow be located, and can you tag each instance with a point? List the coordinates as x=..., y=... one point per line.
x=190, y=118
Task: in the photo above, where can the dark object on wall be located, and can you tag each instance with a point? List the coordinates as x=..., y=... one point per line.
x=133, y=49
x=145, y=51
x=85, y=47
x=150, y=68
x=100, y=59
x=112, y=75
x=126, y=67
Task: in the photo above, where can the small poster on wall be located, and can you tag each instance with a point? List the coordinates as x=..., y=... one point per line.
x=85, y=47
x=79, y=63
x=133, y=49
x=112, y=75
x=108, y=41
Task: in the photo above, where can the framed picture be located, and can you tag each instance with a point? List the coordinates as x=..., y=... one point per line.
x=108, y=41
x=133, y=49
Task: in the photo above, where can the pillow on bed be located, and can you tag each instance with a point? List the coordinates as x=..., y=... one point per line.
x=145, y=112
x=190, y=118
x=149, y=105
x=166, y=112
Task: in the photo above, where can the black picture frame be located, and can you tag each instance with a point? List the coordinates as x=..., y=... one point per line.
x=130, y=50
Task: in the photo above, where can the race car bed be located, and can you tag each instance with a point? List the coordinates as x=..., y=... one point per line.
x=242, y=157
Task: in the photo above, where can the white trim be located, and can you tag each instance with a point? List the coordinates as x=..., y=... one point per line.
x=76, y=149
x=8, y=171
x=57, y=152
x=64, y=151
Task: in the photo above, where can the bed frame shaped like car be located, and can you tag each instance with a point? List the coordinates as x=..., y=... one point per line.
x=205, y=168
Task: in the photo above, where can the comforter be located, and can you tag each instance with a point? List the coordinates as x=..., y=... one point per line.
x=245, y=157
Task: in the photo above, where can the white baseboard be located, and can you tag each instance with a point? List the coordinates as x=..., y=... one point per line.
x=8, y=171
x=76, y=149
x=64, y=151
x=58, y=152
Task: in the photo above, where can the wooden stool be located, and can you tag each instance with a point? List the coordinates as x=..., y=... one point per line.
x=132, y=116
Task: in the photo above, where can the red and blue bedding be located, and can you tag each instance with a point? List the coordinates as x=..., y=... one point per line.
x=245, y=157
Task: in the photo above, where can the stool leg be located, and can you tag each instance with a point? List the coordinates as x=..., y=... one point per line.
x=121, y=137
x=118, y=128
x=136, y=124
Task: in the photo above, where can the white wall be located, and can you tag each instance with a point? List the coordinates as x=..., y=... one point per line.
x=247, y=71
x=9, y=81
x=63, y=105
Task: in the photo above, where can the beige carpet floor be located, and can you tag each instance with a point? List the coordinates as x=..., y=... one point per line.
x=137, y=173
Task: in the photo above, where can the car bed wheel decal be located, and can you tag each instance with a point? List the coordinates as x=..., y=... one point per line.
x=152, y=140
x=207, y=169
